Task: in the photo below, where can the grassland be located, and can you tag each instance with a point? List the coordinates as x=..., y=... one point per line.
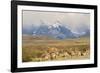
x=37, y=49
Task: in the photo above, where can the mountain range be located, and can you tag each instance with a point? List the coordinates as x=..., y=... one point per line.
x=56, y=30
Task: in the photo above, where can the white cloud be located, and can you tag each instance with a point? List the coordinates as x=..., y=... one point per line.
x=72, y=20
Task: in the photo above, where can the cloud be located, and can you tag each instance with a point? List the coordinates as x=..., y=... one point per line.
x=72, y=20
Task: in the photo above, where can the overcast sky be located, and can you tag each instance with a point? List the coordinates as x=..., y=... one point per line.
x=72, y=20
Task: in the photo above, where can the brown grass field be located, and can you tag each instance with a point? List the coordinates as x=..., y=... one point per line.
x=37, y=49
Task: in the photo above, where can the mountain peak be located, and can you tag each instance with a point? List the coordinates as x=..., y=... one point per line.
x=55, y=25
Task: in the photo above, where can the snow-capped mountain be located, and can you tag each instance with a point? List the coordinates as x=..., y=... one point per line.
x=56, y=30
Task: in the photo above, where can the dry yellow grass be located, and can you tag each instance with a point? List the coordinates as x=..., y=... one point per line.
x=52, y=49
